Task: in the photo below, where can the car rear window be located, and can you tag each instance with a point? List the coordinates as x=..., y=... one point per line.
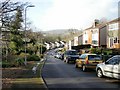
x=94, y=57
x=73, y=53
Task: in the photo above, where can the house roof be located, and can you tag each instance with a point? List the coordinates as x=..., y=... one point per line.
x=103, y=24
x=115, y=20
x=97, y=26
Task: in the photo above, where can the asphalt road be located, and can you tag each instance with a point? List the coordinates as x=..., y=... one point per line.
x=58, y=74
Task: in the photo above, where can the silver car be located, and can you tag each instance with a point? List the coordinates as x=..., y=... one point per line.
x=109, y=68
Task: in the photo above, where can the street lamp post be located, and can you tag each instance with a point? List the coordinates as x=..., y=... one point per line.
x=41, y=46
x=25, y=31
x=41, y=40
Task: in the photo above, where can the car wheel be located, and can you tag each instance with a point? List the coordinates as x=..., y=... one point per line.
x=76, y=66
x=64, y=59
x=99, y=73
x=67, y=61
x=83, y=68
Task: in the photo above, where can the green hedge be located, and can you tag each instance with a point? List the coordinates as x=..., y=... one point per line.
x=7, y=64
x=33, y=58
x=13, y=63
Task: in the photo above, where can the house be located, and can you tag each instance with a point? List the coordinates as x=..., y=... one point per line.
x=80, y=39
x=69, y=44
x=57, y=44
x=95, y=35
x=47, y=45
x=62, y=43
x=52, y=45
x=75, y=40
x=113, y=34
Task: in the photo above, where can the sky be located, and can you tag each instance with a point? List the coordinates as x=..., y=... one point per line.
x=67, y=14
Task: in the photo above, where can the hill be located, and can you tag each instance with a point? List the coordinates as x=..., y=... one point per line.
x=62, y=32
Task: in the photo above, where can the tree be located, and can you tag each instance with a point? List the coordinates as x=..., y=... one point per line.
x=11, y=19
x=7, y=12
x=16, y=35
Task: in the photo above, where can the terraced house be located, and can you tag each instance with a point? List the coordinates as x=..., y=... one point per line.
x=113, y=34
x=95, y=35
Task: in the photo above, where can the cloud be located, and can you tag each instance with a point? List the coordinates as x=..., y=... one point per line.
x=76, y=13
x=72, y=13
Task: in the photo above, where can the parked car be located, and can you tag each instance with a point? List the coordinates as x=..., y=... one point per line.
x=109, y=68
x=70, y=56
x=88, y=61
x=57, y=55
x=62, y=56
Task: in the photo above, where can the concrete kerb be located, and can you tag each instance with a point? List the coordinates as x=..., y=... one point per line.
x=41, y=72
x=34, y=69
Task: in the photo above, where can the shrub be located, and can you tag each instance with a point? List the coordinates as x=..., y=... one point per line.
x=93, y=50
x=22, y=55
x=98, y=51
x=19, y=62
x=106, y=57
x=43, y=49
x=7, y=65
x=33, y=58
x=106, y=51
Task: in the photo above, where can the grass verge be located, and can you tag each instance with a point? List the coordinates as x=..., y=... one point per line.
x=27, y=79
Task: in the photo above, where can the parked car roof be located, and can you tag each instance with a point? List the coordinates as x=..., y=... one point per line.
x=71, y=50
x=116, y=56
x=89, y=54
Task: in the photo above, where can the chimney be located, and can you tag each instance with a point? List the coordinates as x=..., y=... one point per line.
x=96, y=21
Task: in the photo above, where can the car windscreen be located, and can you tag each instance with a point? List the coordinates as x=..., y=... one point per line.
x=94, y=57
x=83, y=56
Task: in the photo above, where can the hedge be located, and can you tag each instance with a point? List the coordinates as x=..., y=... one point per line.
x=33, y=58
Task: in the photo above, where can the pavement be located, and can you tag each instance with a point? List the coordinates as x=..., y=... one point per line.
x=30, y=79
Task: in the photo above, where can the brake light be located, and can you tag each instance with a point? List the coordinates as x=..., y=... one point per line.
x=87, y=62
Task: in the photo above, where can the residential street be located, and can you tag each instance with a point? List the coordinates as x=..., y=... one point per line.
x=58, y=74
x=60, y=44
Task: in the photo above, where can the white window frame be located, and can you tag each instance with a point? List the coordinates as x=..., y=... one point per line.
x=110, y=41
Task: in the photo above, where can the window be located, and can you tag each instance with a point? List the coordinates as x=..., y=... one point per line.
x=110, y=61
x=94, y=42
x=111, y=42
x=72, y=53
x=115, y=40
x=94, y=57
x=114, y=60
x=114, y=26
x=83, y=56
x=85, y=41
x=118, y=41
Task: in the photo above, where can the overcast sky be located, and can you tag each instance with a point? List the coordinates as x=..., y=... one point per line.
x=66, y=14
